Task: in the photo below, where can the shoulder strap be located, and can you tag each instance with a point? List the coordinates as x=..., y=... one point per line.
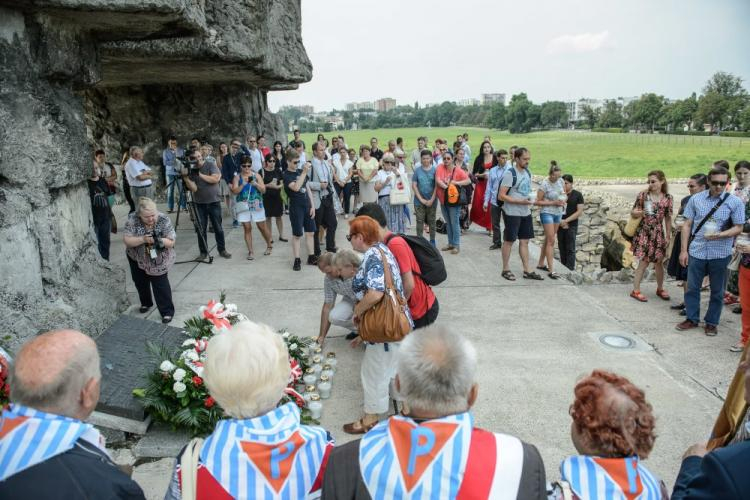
x=708, y=215
x=189, y=469
x=386, y=271
x=515, y=176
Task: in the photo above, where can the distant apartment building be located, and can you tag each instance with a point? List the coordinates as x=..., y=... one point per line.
x=493, y=98
x=468, y=102
x=304, y=109
x=359, y=106
x=385, y=104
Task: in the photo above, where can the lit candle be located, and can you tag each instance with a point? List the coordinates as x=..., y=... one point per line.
x=324, y=387
x=315, y=406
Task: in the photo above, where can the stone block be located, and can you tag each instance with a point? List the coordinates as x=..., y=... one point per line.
x=161, y=442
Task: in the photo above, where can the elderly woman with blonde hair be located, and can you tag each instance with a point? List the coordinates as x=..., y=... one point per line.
x=149, y=240
x=261, y=450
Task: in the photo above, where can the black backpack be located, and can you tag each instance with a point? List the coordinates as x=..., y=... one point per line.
x=430, y=261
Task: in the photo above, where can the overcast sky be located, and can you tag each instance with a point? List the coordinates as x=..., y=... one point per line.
x=436, y=50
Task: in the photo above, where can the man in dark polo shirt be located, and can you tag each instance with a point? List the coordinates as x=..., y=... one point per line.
x=566, y=234
x=204, y=184
x=423, y=304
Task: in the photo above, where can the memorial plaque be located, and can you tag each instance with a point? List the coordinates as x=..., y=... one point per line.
x=126, y=361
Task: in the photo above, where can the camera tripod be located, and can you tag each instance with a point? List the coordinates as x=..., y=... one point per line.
x=190, y=204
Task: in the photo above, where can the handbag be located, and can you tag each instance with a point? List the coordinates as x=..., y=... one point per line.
x=632, y=226
x=400, y=191
x=734, y=264
x=189, y=469
x=240, y=207
x=386, y=321
x=460, y=198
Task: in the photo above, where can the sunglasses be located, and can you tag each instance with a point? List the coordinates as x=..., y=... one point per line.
x=718, y=183
x=349, y=237
x=294, y=161
x=389, y=163
x=270, y=161
x=653, y=182
x=247, y=165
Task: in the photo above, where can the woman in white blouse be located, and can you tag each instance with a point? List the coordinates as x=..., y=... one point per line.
x=384, y=181
x=343, y=170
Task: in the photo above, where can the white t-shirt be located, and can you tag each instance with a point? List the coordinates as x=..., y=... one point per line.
x=552, y=192
x=134, y=168
x=388, y=178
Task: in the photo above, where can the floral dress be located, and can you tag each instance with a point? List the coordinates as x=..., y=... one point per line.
x=649, y=241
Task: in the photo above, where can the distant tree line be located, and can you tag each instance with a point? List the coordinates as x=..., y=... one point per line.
x=724, y=105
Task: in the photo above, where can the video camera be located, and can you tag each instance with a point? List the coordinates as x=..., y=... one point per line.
x=189, y=163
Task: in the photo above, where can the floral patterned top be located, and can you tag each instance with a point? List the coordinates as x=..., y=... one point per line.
x=650, y=241
x=371, y=274
x=164, y=258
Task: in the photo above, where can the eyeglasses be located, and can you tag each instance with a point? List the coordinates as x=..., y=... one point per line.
x=349, y=237
x=718, y=183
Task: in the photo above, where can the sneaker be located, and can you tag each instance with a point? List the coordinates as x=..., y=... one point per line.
x=225, y=254
x=677, y=307
x=738, y=347
x=687, y=325
x=495, y=247
x=234, y=224
x=202, y=256
x=297, y=264
x=710, y=330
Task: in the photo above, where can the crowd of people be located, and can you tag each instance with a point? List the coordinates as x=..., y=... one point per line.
x=430, y=449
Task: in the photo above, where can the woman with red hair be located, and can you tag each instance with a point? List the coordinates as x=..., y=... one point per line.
x=613, y=430
x=369, y=286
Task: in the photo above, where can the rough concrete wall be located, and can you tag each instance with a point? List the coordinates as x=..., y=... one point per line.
x=48, y=258
x=82, y=74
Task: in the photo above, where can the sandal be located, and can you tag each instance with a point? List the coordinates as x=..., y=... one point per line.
x=738, y=347
x=662, y=294
x=508, y=275
x=553, y=275
x=359, y=427
x=637, y=295
x=532, y=276
x=250, y=256
x=543, y=268
x=268, y=251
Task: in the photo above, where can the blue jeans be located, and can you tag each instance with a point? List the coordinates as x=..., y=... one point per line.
x=452, y=226
x=716, y=269
x=172, y=187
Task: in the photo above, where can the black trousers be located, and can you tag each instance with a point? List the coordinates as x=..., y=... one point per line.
x=429, y=317
x=566, y=243
x=144, y=283
x=347, y=190
x=126, y=190
x=496, y=214
x=325, y=216
x=102, y=227
x=210, y=211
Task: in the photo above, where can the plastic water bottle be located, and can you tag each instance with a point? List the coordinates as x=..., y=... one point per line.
x=648, y=207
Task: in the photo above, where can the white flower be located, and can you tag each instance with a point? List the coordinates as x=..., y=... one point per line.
x=191, y=355
x=231, y=309
x=178, y=375
x=166, y=366
x=292, y=347
x=188, y=342
x=285, y=335
x=179, y=387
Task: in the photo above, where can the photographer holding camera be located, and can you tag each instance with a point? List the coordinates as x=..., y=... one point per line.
x=149, y=240
x=202, y=179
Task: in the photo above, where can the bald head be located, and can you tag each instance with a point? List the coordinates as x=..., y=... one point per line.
x=53, y=370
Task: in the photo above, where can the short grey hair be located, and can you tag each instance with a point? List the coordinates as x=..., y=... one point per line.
x=346, y=257
x=146, y=205
x=62, y=394
x=436, y=370
x=247, y=369
x=135, y=149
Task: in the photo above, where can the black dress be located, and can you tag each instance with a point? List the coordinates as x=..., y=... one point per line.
x=272, y=197
x=674, y=268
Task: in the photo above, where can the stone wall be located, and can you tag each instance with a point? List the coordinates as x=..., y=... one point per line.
x=76, y=75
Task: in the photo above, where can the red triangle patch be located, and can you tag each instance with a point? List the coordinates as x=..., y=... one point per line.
x=417, y=446
x=8, y=424
x=274, y=461
x=623, y=472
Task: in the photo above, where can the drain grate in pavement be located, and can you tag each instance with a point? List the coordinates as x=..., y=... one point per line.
x=617, y=341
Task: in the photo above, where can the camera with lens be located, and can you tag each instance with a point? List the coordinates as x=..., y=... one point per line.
x=158, y=242
x=189, y=165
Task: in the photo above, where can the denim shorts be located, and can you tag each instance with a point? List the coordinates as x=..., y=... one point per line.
x=550, y=218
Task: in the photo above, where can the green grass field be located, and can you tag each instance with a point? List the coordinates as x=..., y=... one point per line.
x=583, y=154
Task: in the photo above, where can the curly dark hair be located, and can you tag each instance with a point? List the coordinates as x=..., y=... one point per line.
x=612, y=415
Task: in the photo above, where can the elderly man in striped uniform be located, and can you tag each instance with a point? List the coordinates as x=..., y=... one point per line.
x=261, y=451
x=46, y=450
x=435, y=451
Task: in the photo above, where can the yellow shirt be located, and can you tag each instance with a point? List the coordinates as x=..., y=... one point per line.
x=366, y=168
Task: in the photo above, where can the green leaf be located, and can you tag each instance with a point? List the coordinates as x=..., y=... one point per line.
x=139, y=393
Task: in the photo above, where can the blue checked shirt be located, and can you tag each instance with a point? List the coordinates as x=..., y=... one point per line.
x=697, y=208
x=493, y=183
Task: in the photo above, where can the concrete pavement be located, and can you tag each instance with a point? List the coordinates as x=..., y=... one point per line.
x=535, y=339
